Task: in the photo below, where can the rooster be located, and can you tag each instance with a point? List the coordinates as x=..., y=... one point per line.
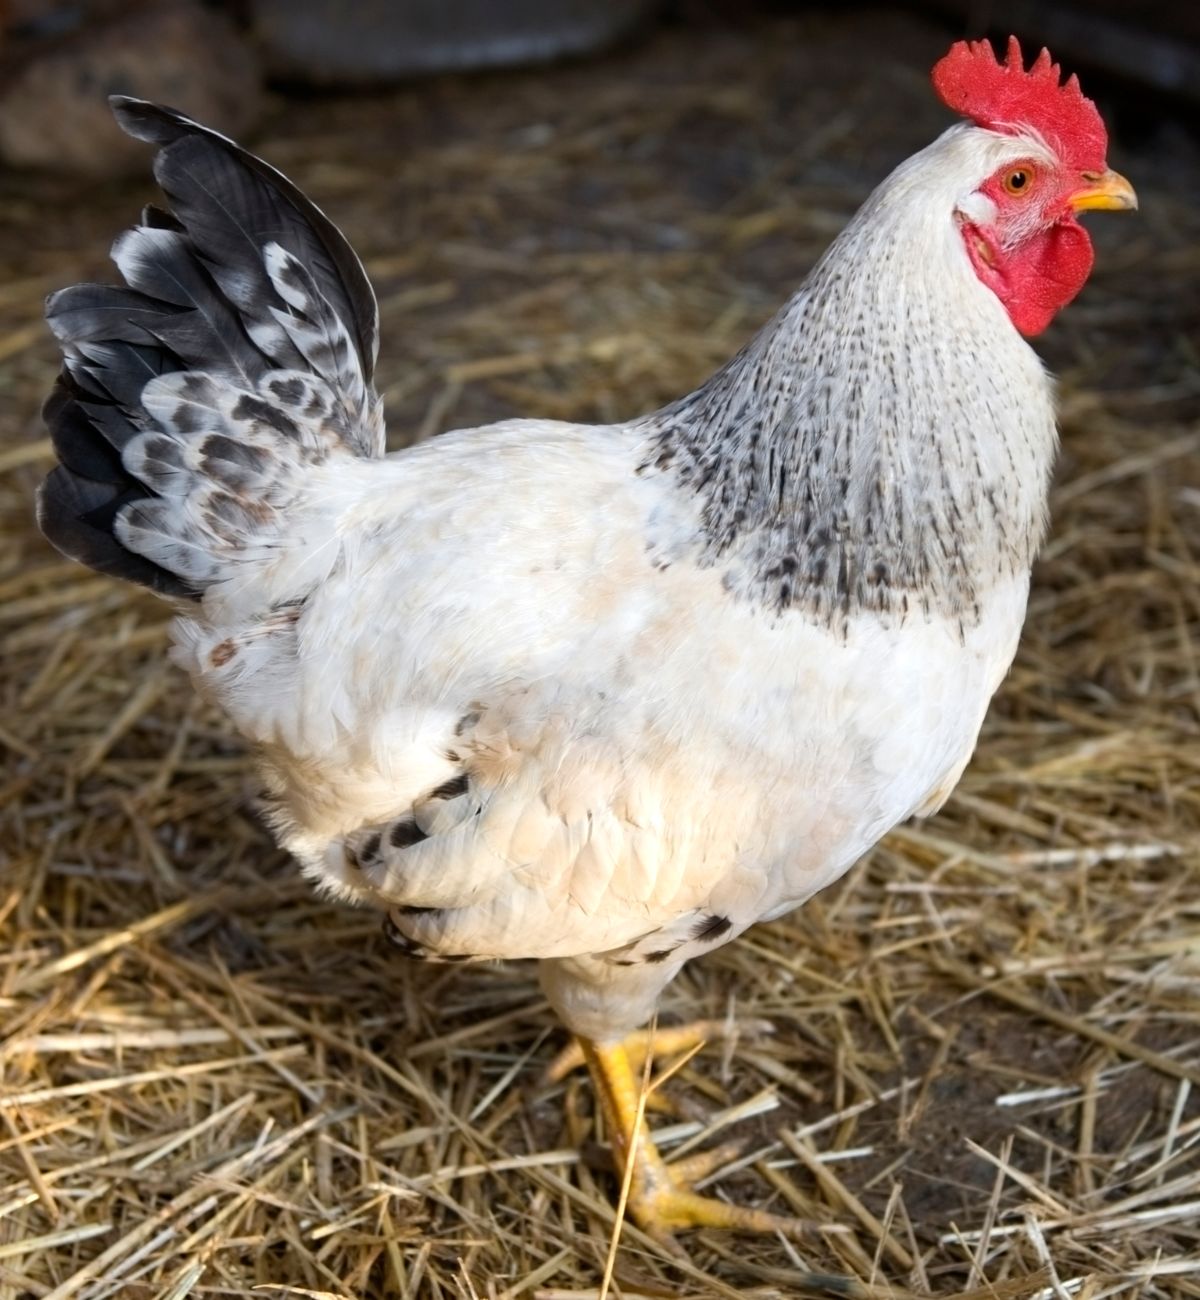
x=603, y=696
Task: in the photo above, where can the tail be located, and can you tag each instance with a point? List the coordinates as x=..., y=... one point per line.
x=191, y=402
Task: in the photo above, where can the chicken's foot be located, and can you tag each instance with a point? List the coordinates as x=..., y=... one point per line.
x=660, y=1196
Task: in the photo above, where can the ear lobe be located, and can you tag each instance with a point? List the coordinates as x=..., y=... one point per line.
x=978, y=209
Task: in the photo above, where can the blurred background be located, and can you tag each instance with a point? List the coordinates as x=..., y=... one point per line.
x=213, y=58
x=579, y=209
x=494, y=136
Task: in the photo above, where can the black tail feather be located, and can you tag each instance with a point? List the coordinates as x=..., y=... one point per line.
x=76, y=515
x=205, y=196
x=201, y=299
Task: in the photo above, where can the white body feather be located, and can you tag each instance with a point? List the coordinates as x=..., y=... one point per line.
x=648, y=751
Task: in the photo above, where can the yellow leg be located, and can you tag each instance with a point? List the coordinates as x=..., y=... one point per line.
x=671, y=1041
x=660, y=1196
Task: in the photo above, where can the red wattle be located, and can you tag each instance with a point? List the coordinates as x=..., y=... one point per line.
x=1041, y=275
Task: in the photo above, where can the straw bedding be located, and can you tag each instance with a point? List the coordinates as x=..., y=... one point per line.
x=974, y=1062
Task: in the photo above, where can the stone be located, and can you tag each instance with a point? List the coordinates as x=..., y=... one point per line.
x=57, y=72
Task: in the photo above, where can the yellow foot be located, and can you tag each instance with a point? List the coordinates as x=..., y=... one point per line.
x=661, y=1199
x=662, y=1203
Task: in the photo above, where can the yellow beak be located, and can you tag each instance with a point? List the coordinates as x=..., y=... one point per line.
x=1108, y=191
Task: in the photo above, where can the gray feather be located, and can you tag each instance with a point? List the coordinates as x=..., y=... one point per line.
x=205, y=189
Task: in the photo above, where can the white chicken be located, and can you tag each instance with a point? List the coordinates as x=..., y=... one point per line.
x=603, y=696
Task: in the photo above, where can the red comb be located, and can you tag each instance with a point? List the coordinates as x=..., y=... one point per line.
x=1004, y=97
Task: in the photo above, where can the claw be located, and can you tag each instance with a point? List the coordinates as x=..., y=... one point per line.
x=676, y=1209
x=698, y=1166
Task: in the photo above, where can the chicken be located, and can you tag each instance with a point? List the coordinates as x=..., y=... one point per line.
x=602, y=696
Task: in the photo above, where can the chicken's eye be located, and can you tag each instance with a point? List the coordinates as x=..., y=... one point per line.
x=1018, y=181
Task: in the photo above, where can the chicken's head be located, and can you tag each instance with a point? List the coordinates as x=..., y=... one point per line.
x=1020, y=226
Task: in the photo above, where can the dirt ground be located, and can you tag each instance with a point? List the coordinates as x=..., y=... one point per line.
x=979, y=1076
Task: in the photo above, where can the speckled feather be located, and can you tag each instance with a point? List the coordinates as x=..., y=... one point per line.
x=603, y=696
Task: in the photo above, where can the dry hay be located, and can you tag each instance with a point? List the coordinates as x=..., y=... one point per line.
x=982, y=1072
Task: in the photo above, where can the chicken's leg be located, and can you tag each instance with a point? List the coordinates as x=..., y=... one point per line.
x=660, y=1196
x=667, y=1040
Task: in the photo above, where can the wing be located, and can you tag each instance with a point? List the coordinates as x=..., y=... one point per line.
x=559, y=834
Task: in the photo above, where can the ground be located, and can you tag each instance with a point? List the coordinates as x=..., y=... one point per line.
x=985, y=1039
